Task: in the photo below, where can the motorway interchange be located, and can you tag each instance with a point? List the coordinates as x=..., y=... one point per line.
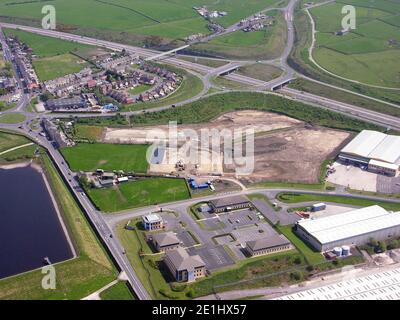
x=104, y=225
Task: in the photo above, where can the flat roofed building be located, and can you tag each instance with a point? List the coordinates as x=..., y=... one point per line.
x=350, y=228
x=72, y=103
x=152, y=222
x=164, y=242
x=185, y=268
x=371, y=146
x=268, y=245
x=229, y=203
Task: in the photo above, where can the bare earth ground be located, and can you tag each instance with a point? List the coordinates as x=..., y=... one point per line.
x=285, y=150
x=295, y=154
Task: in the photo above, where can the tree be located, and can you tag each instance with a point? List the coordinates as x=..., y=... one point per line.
x=381, y=247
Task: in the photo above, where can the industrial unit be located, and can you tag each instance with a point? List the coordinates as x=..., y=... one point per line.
x=374, y=150
x=229, y=203
x=350, y=228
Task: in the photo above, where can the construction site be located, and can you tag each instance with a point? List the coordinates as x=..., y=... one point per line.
x=286, y=149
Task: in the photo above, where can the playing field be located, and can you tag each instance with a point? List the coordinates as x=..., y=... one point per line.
x=168, y=19
x=359, y=55
x=89, y=157
x=139, y=193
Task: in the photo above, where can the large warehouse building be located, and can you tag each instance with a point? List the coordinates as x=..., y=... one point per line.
x=377, y=151
x=350, y=228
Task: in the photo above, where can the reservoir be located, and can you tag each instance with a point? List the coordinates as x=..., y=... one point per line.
x=30, y=228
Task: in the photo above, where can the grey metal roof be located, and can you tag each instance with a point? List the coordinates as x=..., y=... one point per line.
x=268, y=242
x=350, y=224
x=229, y=201
x=166, y=239
x=183, y=261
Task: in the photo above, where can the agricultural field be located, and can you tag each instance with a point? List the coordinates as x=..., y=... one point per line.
x=89, y=157
x=54, y=58
x=358, y=55
x=139, y=193
x=136, y=20
x=258, y=45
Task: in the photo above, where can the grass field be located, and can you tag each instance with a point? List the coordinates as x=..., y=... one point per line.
x=298, y=198
x=134, y=20
x=260, y=71
x=119, y=291
x=258, y=45
x=50, y=68
x=139, y=193
x=85, y=132
x=12, y=118
x=210, y=108
x=54, y=58
x=8, y=141
x=359, y=54
x=76, y=278
x=298, y=59
x=89, y=157
x=139, y=89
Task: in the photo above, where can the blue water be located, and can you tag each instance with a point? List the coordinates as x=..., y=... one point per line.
x=29, y=226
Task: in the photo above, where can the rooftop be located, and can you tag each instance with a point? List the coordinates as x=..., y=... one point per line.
x=183, y=261
x=150, y=218
x=268, y=242
x=375, y=145
x=166, y=239
x=349, y=224
x=229, y=201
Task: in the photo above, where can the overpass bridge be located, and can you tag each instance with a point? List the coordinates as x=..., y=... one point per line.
x=163, y=54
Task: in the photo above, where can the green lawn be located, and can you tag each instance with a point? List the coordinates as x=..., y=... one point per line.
x=260, y=71
x=139, y=89
x=313, y=257
x=89, y=157
x=8, y=141
x=50, y=68
x=76, y=278
x=119, y=291
x=139, y=193
x=299, y=197
x=12, y=118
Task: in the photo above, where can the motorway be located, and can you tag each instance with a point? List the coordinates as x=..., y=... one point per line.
x=104, y=224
